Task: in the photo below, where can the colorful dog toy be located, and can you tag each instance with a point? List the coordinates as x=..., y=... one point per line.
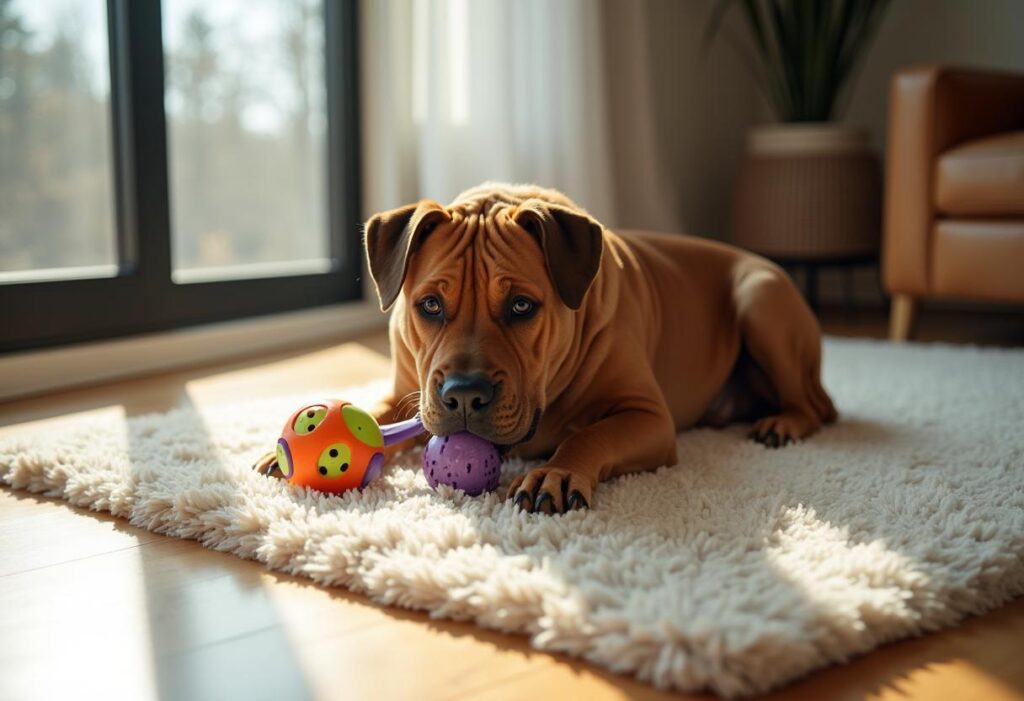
x=334, y=446
x=463, y=461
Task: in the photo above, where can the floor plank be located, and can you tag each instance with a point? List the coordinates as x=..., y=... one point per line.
x=35, y=533
x=126, y=613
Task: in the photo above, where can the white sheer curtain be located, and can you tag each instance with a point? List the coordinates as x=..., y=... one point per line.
x=457, y=92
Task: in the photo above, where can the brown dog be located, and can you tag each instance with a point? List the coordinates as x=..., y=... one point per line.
x=518, y=317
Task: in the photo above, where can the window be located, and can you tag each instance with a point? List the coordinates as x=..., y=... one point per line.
x=164, y=164
x=56, y=162
x=248, y=77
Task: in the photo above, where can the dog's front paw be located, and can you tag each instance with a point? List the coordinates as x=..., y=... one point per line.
x=267, y=465
x=551, y=490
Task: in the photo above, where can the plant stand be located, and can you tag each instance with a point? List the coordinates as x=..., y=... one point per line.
x=809, y=195
x=812, y=266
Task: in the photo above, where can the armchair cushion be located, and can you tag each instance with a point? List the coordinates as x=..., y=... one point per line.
x=983, y=177
x=979, y=259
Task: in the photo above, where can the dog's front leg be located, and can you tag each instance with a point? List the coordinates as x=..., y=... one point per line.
x=630, y=440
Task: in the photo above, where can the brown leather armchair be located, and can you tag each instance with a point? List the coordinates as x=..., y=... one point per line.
x=954, y=192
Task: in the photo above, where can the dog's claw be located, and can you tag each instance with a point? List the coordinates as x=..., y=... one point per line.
x=522, y=497
x=545, y=504
x=549, y=490
x=576, y=501
x=771, y=438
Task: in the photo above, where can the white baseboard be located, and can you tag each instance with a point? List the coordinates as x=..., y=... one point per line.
x=35, y=372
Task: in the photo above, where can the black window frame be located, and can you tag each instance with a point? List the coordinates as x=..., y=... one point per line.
x=142, y=297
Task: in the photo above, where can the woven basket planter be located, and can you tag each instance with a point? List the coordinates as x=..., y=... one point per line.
x=808, y=192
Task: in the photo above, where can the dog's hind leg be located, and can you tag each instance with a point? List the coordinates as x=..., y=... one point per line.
x=783, y=338
x=746, y=396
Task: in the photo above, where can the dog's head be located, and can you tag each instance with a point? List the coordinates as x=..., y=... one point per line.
x=485, y=294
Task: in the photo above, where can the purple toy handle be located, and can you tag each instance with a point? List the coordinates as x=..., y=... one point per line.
x=395, y=433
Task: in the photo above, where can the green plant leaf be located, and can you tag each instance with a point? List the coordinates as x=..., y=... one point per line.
x=809, y=49
x=714, y=24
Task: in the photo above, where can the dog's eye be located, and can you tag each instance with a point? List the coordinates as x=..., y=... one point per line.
x=521, y=306
x=431, y=306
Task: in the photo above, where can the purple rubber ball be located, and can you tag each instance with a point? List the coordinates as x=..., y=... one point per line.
x=463, y=461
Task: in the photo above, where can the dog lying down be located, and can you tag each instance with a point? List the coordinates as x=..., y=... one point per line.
x=517, y=316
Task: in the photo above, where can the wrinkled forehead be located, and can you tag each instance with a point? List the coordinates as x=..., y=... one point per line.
x=489, y=245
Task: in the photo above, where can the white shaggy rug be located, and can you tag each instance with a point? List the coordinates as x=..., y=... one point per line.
x=737, y=570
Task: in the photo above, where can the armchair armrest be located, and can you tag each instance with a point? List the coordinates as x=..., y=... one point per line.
x=931, y=109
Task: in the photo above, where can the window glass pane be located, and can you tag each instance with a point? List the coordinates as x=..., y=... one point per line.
x=246, y=115
x=56, y=177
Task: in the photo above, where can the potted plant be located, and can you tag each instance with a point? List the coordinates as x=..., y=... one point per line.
x=809, y=187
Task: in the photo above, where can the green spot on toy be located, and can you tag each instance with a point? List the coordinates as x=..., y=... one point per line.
x=334, y=460
x=363, y=426
x=310, y=419
x=284, y=458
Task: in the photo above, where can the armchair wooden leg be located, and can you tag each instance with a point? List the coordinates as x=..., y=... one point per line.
x=901, y=317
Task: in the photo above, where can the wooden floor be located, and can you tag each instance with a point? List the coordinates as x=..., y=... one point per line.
x=91, y=607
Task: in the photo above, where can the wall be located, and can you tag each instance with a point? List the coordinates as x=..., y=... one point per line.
x=701, y=105
x=985, y=33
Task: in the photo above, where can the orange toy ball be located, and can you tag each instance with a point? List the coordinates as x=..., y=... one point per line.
x=332, y=446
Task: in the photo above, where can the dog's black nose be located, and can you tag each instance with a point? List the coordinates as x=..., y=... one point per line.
x=467, y=393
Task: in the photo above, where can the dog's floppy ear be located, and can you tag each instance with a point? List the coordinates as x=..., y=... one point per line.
x=572, y=243
x=391, y=237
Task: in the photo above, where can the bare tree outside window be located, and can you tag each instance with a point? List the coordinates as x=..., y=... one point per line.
x=56, y=173
x=246, y=118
